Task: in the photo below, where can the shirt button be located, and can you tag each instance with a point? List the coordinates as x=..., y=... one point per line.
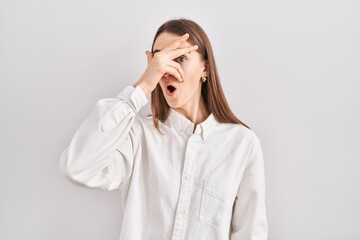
x=187, y=177
x=182, y=212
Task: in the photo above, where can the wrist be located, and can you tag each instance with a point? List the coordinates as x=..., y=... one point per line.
x=143, y=87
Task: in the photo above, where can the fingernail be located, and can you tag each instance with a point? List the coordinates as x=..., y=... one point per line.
x=186, y=34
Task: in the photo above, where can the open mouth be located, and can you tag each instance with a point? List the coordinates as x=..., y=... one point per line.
x=171, y=88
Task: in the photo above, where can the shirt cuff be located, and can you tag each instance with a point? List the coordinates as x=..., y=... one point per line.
x=135, y=96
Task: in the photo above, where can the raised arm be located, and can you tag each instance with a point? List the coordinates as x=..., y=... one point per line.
x=100, y=154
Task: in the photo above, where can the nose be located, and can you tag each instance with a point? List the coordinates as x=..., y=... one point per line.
x=167, y=75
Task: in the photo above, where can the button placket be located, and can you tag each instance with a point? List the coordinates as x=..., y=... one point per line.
x=185, y=191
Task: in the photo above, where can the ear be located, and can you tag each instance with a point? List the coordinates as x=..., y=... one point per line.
x=205, y=72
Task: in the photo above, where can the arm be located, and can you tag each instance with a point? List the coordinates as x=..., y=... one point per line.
x=249, y=215
x=101, y=152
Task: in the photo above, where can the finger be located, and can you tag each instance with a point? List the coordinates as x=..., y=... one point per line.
x=178, y=68
x=173, y=71
x=181, y=51
x=149, y=56
x=177, y=42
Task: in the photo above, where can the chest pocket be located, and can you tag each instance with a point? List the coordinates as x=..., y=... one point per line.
x=217, y=202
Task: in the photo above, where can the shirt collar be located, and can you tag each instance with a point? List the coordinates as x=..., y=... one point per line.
x=183, y=125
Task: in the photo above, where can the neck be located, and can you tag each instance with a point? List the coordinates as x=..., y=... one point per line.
x=196, y=113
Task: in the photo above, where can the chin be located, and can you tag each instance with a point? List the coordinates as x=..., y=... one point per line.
x=173, y=104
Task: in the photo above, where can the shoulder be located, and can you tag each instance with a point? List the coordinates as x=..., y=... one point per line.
x=237, y=133
x=236, y=129
x=146, y=123
x=146, y=120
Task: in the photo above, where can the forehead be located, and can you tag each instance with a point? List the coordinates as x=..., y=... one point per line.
x=165, y=39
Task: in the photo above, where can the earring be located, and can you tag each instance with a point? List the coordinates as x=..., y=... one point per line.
x=203, y=79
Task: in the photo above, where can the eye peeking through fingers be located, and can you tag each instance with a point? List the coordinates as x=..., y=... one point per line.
x=180, y=59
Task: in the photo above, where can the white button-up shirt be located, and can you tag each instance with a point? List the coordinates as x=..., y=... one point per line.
x=197, y=183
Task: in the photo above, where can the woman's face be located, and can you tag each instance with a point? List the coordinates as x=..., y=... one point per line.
x=188, y=92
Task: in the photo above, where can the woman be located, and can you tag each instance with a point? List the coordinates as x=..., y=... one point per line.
x=191, y=170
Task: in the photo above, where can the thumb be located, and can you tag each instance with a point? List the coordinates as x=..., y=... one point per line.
x=149, y=56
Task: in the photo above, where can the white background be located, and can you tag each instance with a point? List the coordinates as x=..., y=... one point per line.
x=290, y=69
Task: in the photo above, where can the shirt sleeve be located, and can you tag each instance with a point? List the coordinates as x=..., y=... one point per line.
x=101, y=152
x=249, y=219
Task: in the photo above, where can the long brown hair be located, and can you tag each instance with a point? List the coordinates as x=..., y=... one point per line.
x=211, y=89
